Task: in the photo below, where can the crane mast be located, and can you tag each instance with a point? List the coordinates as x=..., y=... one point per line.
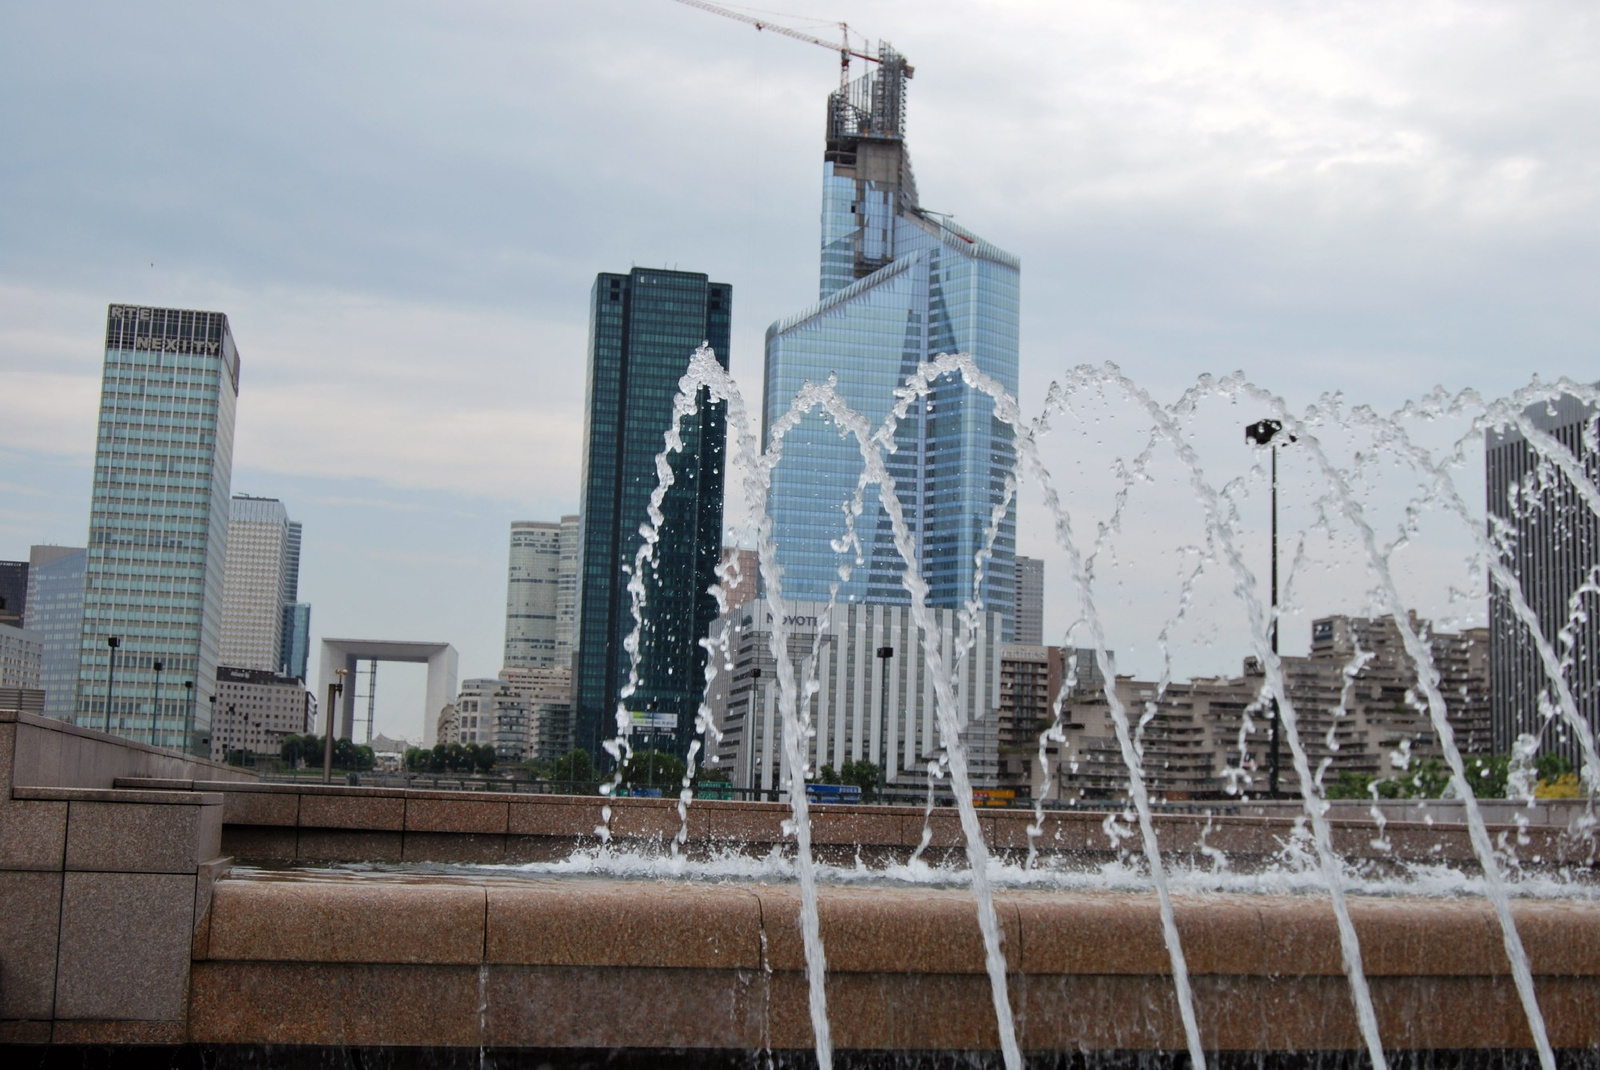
x=846, y=53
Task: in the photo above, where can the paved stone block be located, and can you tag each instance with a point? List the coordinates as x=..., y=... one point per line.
x=354, y=920
x=864, y=930
x=1090, y=933
x=858, y=825
x=260, y=808
x=343, y=845
x=24, y=1032
x=1560, y=937
x=125, y=944
x=738, y=824
x=445, y=814
x=31, y=903
x=644, y=819
x=580, y=1007
x=343, y=811
x=33, y=834
x=554, y=815
x=334, y=1004
x=879, y=1011
x=119, y=1034
x=624, y=923
x=1441, y=937
x=137, y=837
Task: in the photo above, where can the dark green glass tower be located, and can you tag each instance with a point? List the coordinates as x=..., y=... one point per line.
x=643, y=327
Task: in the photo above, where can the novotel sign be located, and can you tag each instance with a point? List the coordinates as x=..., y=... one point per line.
x=796, y=620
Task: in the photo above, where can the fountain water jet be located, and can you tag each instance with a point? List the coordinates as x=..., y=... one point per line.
x=705, y=374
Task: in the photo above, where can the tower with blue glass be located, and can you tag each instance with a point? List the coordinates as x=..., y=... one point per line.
x=643, y=328
x=900, y=284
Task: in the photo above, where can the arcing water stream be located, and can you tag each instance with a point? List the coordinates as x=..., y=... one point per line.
x=1340, y=502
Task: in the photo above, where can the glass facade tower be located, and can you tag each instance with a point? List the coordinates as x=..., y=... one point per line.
x=55, y=614
x=1550, y=541
x=643, y=327
x=898, y=285
x=158, y=525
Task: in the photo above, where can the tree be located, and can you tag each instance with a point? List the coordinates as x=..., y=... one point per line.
x=574, y=774
x=654, y=769
x=864, y=775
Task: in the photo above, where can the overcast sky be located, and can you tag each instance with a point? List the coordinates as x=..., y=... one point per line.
x=401, y=207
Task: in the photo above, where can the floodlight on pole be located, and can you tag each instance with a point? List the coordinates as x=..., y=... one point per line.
x=1265, y=433
x=113, y=642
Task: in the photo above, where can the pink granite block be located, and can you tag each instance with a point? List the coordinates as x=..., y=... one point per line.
x=339, y=921
x=441, y=812
x=624, y=923
x=345, y=811
x=125, y=945
x=32, y=907
x=324, y=1003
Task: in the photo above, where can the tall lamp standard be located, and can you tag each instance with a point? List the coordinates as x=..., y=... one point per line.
x=188, y=713
x=334, y=690
x=113, y=642
x=1264, y=433
x=155, y=711
x=884, y=654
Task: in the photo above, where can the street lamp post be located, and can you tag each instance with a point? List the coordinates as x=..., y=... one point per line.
x=188, y=714
x=884, y=654
x=155, y=710
x=1264, y=433
x=113, y=642
x=334, y=690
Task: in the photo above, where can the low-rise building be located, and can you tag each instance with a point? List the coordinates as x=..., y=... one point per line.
x=21, y=658
x=869, y=695
x=255, y=710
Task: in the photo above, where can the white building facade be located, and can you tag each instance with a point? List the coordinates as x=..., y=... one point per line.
x=253, y=591
x=871, y=690
x=541, y=593
x=21, y=658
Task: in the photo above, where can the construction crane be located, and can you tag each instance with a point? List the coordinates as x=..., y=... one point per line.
x=843, y=48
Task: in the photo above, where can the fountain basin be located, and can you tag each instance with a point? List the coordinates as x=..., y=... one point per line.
x=306, y=958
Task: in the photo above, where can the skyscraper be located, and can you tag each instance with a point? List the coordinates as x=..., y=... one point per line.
x=256, y=578
x=1550, y=540
x=158, y=525
x=295, y=646
x=533, y=584
x=643, y=327
x=567, y=590
x=55, y=615
x=1030, y=601
x=899, y=284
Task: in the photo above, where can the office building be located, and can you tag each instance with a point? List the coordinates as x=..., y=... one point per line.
x=14, y=593
x=21, y=658
x=874, y=699
x=1029, y=601
x=533, y=588
x=1550, y=541
x=158, y=525
x=491, y=713
x=255, y=711
x=256, y=579
x=644, y=326
x=899, y=285
x=548, y=696
x=55, y=615
x=567, y=590
x=295, y=646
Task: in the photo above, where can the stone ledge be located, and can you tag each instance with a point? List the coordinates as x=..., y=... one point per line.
x=119, y=795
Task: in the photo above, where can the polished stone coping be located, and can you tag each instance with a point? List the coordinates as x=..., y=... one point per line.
x=305, y=957
x=313, y=822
